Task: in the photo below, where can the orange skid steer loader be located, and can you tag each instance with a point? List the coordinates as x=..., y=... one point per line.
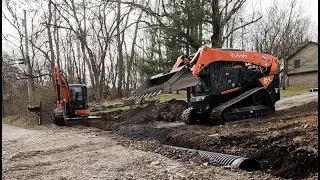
x=222, y=84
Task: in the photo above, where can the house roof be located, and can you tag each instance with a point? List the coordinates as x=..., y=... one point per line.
x=301, y=48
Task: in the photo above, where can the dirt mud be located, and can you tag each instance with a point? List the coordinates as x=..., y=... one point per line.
x=285, y=143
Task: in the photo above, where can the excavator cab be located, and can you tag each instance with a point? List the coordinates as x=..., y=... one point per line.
x=78, y=93
x=72, y=101
x=79, y=101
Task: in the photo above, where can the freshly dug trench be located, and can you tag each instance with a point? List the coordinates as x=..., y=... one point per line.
x=243, y=163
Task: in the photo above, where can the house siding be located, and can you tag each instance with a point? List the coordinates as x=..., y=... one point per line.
x=308, y=60
x=309, y=79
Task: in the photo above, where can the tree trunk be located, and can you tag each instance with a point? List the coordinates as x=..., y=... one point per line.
x=120, y=57
x=285, y=73
x=129, y=65
x=56, y=37
x=216, y=26
x=231, y=36
x=52, y=58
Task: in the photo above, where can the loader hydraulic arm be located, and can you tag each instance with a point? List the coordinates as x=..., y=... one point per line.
x=181, y=61
x=62, y=87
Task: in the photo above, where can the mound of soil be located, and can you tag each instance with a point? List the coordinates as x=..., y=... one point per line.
x=288, y=161
x=154, y=111
x=303, y=110
x=170, y=111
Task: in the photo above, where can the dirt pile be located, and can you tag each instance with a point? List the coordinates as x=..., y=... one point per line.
x=304, y=110
x=170, y=111
x=288, y=161
x=142, y=115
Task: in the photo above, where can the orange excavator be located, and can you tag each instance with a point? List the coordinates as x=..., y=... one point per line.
x=72, y=102
x=223, y=85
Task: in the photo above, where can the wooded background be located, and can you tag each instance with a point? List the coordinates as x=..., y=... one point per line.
x=113, y=45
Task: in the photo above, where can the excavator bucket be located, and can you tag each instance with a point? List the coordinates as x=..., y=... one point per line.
x=176, y=79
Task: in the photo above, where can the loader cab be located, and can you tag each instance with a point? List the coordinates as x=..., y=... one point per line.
x=78, y=95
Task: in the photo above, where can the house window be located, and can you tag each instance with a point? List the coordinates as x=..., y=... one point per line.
x=297, y=63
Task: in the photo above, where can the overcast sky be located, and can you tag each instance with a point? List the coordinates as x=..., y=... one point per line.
x=311, y=8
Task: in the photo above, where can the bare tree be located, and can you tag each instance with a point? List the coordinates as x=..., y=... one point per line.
x=281, y=32
x=120, y=57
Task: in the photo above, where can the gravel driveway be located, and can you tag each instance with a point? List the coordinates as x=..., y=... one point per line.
x=88, y=153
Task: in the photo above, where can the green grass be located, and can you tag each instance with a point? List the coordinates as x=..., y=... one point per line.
x=112, y=109
x=167, y=97
x=291, y=91
x=183, y=96
x=163, y=97
x=294, y=91
x=117, y=108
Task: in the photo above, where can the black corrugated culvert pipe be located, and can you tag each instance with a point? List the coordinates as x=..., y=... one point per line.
x=226, y=159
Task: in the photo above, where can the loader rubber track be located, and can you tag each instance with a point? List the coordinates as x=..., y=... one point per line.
x=216, y=115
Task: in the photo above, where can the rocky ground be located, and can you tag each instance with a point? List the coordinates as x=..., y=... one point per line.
x=129, y=145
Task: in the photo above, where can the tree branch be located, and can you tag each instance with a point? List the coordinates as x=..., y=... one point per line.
x=242, y=26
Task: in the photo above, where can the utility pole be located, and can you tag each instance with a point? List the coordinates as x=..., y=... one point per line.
x=27, y=60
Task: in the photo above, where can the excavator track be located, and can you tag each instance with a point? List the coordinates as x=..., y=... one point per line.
x=216, y=114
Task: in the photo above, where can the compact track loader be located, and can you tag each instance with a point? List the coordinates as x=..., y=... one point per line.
x=222, y=84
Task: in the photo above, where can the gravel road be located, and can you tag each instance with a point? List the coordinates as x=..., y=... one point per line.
x=88, y=153
x=288, y=102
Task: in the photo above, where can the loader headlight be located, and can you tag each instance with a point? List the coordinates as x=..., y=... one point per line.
x=200, y=98
x=197, y=98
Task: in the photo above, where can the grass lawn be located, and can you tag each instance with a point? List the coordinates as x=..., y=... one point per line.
x=118, y=108
x=294, y=91
x=284, y=93
x=167, y=97
x=183, y=96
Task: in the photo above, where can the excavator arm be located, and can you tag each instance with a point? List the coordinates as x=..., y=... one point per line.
x=62, y=87
x=63, y=97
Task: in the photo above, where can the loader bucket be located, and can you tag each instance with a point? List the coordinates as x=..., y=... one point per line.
x=176, y=79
